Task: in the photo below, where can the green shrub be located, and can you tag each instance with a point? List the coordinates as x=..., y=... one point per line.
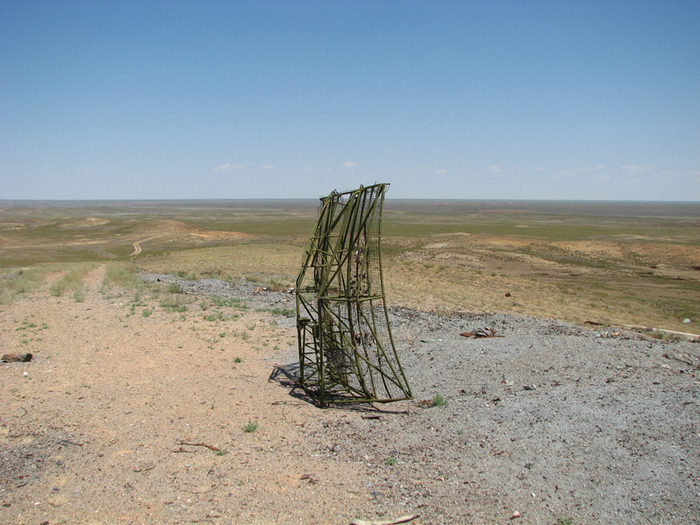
x=56, y=289
x=250, y=427
x=438, y=401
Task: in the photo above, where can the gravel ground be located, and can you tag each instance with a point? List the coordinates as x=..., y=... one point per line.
x=138, y=419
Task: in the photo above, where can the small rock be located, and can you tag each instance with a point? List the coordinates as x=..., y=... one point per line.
x=16, y=358
x=515, y=515
x=686, y=321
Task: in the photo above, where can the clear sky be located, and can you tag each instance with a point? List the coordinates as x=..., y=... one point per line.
x=523, y=99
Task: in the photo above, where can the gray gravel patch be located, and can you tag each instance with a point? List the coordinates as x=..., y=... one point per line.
x=549, y=421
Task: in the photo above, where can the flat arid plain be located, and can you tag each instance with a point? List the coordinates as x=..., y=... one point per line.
x=161, y=388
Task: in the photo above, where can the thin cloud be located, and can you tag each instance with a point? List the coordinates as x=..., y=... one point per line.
x=594, y=171
x=350, y=164
x=495, y=169
x=442, y=171
x=229, y=167
x=267, y=167
x=537, y=168
x=634, y=167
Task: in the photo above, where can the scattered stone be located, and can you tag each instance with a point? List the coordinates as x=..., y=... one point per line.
x=402, y=519
x=16, y=358
x=481, y=332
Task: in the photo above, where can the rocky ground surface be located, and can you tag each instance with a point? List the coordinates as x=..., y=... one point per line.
x=135, y=410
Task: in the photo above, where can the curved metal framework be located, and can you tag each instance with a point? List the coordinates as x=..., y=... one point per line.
x=346, y=350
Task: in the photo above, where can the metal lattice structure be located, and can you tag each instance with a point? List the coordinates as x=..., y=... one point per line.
x=346, y=350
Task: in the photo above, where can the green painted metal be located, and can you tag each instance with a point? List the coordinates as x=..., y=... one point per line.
x=346, y=350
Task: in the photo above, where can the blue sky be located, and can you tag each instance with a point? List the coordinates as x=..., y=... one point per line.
x=292, y=99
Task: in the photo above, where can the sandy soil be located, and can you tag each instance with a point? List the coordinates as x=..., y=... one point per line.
x=125, y=416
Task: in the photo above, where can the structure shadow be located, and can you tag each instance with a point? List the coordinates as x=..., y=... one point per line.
x=288, y=375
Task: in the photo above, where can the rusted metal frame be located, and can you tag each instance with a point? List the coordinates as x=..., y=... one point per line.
x=372, y=367
x=356, y=209
x=321, y=280
x=333, y=269
x=347, y=252
x=307, y=349
x=315, y=258
x=362, y=378
x=365, y=350
x=334, y=278
x=380, y=347
x=345, y=332
x=367, y=219
x=362, y=274
x=407, y=389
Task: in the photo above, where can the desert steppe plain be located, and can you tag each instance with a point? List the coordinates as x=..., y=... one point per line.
x=161, y=388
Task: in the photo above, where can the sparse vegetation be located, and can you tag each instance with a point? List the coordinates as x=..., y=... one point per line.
x=214, y=317
x=120, y=274
x=173, y=304
x=578, y=262
x=56, y=289
x=438, y=401
x=250, y=427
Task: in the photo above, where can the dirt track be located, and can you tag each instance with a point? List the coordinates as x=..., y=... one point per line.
x=125, y=417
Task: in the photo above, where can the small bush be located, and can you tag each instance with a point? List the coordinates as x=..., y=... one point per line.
x=438, y=401
x=56, y=289
x=250, y=427
x=172, y=304
x=218, y=316
x=174, y=288
x=120, y=274
x=23, y=281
